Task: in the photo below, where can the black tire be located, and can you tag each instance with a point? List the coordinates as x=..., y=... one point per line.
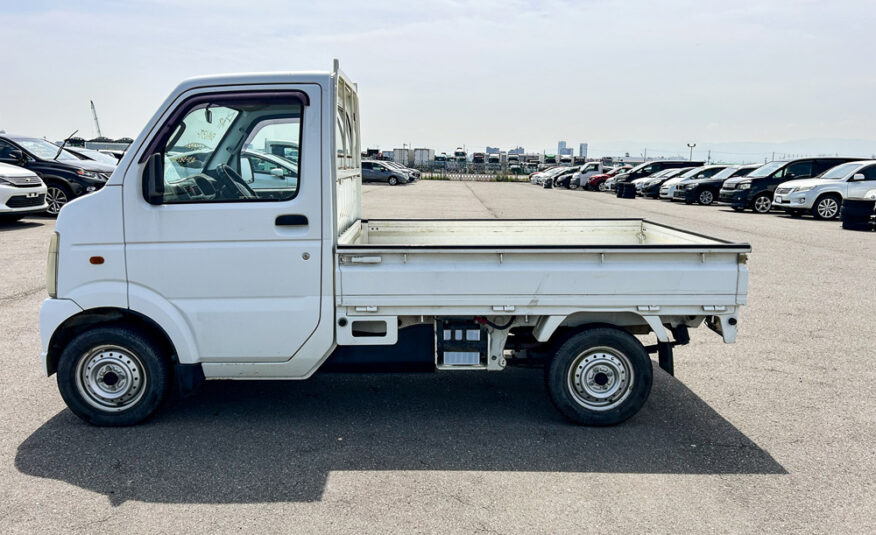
x=706, y=197
x=827, y=207
x=856, y=225
x=738, y=209
x=57, y=195
x=615, y=357
x=762, y=203
x=392, y=181
x=121, y=354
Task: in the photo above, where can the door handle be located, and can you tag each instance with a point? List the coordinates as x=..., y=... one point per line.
x=291, y=220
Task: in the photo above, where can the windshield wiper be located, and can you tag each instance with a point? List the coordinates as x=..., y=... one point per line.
x=64, y=144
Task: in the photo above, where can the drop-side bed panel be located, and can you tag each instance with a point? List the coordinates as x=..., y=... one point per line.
x=631, y=263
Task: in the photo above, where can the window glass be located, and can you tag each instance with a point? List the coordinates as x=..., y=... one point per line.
x=234, y=151
x=869, y=172
x=798, y=170
x=6, y=150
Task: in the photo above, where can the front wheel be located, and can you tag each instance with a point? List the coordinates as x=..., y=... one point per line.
x=706, y=197
x=113, y=376
x=393, y=181
x=601, y=376
x=57, y=195
x=827, y=207
x=602, y=186
x=763, y=203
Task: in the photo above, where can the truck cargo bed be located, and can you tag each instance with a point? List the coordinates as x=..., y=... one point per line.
x=497, y=233
x=533, y=266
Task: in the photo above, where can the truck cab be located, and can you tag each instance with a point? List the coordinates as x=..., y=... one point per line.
x=182, y=268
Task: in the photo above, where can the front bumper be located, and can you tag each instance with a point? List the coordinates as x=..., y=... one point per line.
x=19, y=200
x=794, y=201
x=738, y=198
x=53, y=312
x=684, y=194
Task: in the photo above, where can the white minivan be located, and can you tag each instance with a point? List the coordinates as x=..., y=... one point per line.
x=823, y=195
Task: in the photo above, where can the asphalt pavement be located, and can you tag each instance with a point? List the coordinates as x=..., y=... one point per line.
x=774, y=433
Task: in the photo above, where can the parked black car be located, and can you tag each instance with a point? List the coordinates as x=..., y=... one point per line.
x=651, y=187
x=65, y=175
x=705, y=191
x=649, y=168
x=756, y=190
x=562, y=180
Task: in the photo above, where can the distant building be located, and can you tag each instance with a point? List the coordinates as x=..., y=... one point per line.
x=582, y=150
x=516, y=150
x=561, y=147
x=492, y=150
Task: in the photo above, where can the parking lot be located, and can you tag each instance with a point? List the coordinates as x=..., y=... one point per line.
x=773, y=433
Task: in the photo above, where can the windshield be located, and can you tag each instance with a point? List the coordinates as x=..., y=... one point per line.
x=43, y=149
x=766, y=170
x=727, y=172
x=840, y=171
x=692, y=172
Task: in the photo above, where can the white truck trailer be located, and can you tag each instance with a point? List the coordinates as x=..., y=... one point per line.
x=181, y=269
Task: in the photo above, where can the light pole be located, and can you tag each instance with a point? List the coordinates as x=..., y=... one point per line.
x=691, y=146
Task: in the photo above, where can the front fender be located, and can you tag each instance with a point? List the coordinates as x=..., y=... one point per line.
x=158, y=309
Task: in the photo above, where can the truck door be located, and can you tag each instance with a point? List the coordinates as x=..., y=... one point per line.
x=236, y=260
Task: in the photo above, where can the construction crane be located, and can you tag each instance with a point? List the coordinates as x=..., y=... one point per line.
x=96, y=123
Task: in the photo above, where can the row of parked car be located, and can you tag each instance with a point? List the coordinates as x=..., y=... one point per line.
x=37, y=176
x=815, y=186
x=390, y=172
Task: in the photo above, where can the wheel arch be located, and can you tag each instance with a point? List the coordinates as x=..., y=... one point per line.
x=105, y=316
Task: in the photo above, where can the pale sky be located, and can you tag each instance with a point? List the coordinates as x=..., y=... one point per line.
x=442, y=73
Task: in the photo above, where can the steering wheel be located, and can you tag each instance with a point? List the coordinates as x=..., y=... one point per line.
x=234, y=182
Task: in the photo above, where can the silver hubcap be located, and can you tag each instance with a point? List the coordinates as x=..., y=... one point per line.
x=706, y=197
x=763, y=204
x=602, y=186
x=600, y=379
x=828, y=208
x=56, y=199
x=111, y=378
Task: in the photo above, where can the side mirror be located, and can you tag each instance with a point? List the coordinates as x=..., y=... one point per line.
x=153, y=179
x=858, y=176
x=277, y=171
x=17, y=155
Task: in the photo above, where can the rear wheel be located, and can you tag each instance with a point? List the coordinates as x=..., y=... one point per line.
x=827, y=207
x=113, y=376
x=763, y=203
x=601, y=376
x=706, y=197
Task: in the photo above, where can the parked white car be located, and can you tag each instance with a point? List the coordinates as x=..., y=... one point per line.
x=823, y=195
x=22, y=193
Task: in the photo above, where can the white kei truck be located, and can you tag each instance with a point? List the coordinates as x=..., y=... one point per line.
x=203, y=258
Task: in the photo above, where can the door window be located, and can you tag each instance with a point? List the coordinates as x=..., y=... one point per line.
x=797, y=170
x=6, y=150
x=869, y=172
x=226, y=151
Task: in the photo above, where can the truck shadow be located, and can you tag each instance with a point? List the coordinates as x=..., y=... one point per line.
x=247, y=442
